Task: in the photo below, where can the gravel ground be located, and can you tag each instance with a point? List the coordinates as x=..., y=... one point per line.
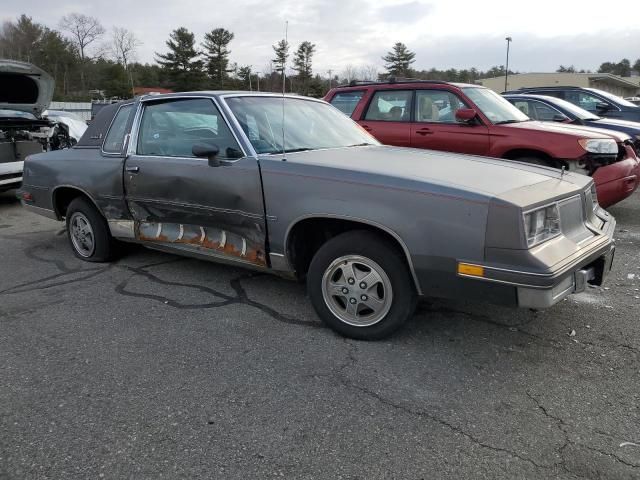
x=158, y=366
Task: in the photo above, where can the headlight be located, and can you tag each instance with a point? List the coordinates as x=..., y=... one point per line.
x=542, y=224
x=604, y=146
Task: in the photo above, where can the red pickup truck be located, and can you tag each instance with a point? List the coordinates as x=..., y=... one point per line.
x=472, y=119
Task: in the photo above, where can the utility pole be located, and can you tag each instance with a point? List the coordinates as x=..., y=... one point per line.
x=506, y=71
x=330, y=72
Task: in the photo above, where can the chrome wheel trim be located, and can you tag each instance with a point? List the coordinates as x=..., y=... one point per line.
x=81, y=234
x=357, y=290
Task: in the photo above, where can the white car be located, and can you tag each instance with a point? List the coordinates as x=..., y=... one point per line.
x=25, y=92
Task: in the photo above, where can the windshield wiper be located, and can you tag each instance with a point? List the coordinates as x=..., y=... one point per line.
x=292, y=150
x=365, y=144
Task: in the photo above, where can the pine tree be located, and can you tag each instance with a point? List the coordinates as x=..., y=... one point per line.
x=216, y=51
x=281, y=50
x=399, y=60
x=302, y=64
x=182, y=62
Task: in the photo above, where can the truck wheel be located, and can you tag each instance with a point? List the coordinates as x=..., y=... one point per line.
x=360, y=286
x=88, y=232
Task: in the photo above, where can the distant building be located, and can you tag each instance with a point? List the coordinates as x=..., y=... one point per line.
x=621, y=86
x=147, y=90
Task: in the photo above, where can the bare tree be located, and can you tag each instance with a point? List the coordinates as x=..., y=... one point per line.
x=349, y=73
x=368, y=72
x=124, y=44
x=84, y=30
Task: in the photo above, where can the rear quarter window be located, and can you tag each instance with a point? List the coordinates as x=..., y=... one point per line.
x=346, y=102
x=114, y=141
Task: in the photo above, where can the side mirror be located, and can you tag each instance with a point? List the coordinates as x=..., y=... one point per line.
x=559, y=117
x=465, y=115
x=209, y=151
x=602, y=107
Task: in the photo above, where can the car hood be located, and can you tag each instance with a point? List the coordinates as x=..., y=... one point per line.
x=629, y=126
x=24, y=87
x=578, y=131
x=411, y=167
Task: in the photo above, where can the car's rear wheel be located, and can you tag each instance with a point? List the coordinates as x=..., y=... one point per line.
x=360, y=286
x=88, y=232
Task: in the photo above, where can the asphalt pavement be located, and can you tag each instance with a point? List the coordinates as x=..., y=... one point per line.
x=162, y=367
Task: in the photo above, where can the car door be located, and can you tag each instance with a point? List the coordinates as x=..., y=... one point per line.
x=388, y=117
x=182, y=202
x=435, y=126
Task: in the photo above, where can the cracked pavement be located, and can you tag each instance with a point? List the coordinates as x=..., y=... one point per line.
x=158, y=366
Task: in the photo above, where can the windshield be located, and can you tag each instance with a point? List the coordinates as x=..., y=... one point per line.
x=308, y=125
x=16, y=114
x=613, y=98
x=496, y=108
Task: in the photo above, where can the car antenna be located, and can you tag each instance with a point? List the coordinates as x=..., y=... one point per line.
x=284, y=84
x=564, y=169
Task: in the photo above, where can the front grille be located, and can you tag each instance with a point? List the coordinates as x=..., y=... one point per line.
x=572, y=219
x=10, y=176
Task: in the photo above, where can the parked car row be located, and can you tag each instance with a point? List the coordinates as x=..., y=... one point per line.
x=472, y=119
x=25, y=125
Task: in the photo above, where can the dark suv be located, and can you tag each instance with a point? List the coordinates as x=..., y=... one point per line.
x=598, y=102
x=465, y=118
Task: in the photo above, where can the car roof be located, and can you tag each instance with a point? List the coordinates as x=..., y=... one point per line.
x=533, y=96
x=220, y=93
x=409, y=82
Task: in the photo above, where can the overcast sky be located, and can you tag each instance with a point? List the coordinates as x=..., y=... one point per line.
x=443, y=33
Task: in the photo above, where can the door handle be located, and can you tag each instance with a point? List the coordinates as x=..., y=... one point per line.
x=424, y=131
x=367, y=128
x=133, y=169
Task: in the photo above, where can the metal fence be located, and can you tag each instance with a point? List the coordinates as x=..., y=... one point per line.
x=82, y=109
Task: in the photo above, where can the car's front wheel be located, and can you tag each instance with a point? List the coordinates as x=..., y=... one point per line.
x=88, y=232
x=360, y=286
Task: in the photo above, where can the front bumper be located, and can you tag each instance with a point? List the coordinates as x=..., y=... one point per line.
x=10, y=174
x=617, y=181
x=589, y=264
x=575, y=282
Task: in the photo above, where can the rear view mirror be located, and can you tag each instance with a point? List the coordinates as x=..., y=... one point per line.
x=559, y=117
x=465, y=115
x=207, y=150
x=602, y=107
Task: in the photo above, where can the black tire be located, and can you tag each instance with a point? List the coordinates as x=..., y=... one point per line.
x=384, y=254
x=103, y=244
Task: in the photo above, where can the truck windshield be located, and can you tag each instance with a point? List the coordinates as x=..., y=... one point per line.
x=496, y=108
x=308, y=125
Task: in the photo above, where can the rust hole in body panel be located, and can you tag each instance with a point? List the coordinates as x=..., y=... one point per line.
x=226, y=243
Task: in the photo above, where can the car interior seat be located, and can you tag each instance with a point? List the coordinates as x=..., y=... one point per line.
x=428, y=112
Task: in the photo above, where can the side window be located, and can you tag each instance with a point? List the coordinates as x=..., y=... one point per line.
x=544, y=112
x=437, y=106
x=523, y=106
x=390, y=106
x=114, y=141
x=172, y=128
x=583, y=100
x=346, y=102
